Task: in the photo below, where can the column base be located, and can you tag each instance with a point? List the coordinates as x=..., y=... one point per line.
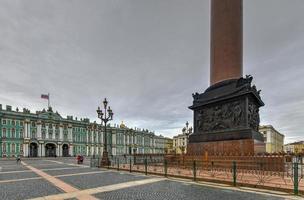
x=227, y=147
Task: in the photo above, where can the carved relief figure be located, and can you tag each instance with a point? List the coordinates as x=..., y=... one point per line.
x=220, y=117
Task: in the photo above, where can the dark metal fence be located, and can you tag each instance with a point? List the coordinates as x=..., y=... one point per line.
x=272, y=172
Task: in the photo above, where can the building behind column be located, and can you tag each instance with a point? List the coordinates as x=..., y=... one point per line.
x=47, y=133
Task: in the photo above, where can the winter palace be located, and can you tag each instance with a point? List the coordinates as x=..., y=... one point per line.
x=47, y=133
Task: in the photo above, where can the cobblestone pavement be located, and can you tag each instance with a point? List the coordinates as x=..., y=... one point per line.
x=56, y=174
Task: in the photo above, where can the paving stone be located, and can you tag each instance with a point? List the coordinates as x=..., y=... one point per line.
x=27, y=189
x=22, y=175
x=97, y=180
x=71, y=171
x=170, y=190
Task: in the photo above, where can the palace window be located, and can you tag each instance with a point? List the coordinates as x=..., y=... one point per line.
x=21, y=133
x=43, y=134
x=13, y=133
x=13, y=148
x=13, y=122
x=3, y=121
x=21, y=123
x=4, y=147
x=8, y=135
x=4, y=132
x=33, y=134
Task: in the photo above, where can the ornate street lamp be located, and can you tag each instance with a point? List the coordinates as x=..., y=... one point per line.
x=105, y=116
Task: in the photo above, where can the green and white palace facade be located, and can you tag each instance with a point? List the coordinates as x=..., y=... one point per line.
x=47, y=133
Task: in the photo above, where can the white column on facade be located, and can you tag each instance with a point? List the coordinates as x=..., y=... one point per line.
x=24, y=151
x=114, y=138
x=57, y=150
x=70, y=134
x=101, y=150
x=92, y=150
x=87, y=133
x=135, y=139
x=101, y=138
x=87, y=150
x=46, y=132
x=71, y=150
x=114, y=151
x=92, y=136
x=43, y=150
x=25, y=130
x=97, y=137
x=28, y=130
x=39, y=130
x=39, y=150
x=60, y=132
x=27, y=149
x=54, y=133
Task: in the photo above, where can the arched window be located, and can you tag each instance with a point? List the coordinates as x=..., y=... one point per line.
x=13, y=133
x=33, y=134
x=13, y=148
x=43, y=134
x=21, y=133
x=4, y=132
x=4, y=147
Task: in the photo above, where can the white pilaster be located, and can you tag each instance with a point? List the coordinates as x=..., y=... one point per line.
x=87, y=133
x=24, y=150
x=54, y=133
x=114, y=138
x=46, y=132
x=71, y=150
x=39, y=130
x=25, y=130
x=101, y=138
x=42, y=150
x=58, y=150
x=70, y=136
x=60, y=133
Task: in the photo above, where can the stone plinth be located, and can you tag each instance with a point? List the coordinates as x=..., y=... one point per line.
x=226, y=118
x=229, y=147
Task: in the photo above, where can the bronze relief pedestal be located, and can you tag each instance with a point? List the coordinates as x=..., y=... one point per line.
x=226, y=119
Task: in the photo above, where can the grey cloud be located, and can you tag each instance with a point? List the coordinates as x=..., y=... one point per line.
x=147, y=57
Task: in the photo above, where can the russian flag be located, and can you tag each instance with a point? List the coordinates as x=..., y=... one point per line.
x=44, y=96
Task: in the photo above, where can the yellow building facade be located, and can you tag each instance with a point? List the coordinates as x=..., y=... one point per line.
x=295, y=147
x=180, y=141
x=274, y=139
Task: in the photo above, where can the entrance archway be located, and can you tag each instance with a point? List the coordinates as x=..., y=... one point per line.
x=50, y=150
x=65, y=150
x=33, y=149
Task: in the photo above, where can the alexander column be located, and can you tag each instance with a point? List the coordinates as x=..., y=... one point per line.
x=226, y=40
x=226, y=116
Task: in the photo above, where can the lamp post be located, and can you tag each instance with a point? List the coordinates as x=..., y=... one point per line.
x=105, y=116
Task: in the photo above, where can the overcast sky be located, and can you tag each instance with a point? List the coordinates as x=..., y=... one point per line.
x=147, y=57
